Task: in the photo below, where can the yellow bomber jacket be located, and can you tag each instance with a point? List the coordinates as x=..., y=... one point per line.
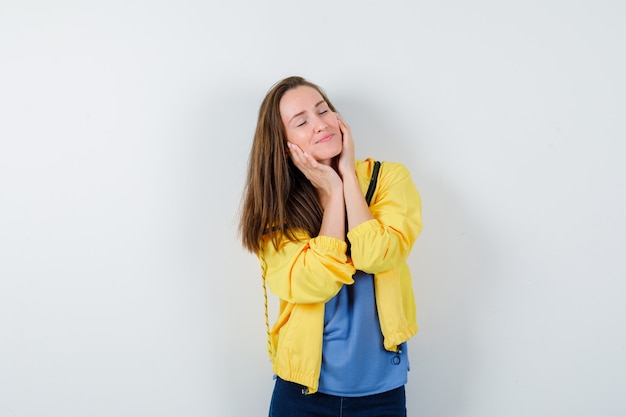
x=305, y=274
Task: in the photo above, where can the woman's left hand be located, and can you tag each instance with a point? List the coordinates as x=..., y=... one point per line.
x=346, y=163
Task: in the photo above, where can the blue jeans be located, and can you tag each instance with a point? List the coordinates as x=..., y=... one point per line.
x=288, y=400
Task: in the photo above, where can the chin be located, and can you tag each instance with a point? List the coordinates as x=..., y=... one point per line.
x=327, y=156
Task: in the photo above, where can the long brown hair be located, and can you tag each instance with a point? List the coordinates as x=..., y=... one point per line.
x=277, y=198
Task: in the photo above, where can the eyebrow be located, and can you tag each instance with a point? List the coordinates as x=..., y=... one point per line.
x=304, y=111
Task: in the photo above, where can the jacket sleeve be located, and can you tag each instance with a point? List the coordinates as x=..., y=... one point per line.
x=308, y=270
x=385, y=242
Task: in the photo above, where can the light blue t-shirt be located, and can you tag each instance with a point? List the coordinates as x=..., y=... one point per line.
x=354, y=361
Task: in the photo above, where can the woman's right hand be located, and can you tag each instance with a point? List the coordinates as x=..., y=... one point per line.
x=323, y=177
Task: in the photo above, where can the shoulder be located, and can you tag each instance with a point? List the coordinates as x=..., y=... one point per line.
x=389, y=171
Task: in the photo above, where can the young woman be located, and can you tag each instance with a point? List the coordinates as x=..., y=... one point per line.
x=337, y=264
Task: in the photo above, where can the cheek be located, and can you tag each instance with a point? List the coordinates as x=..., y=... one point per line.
x=297, y=138
x=333, y=122
x=291, y=136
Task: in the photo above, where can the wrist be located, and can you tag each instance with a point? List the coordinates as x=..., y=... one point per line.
x=331, y=196
x=350, y=181
x=346, y=168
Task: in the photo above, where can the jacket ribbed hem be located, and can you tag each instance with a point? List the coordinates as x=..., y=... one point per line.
x=311, y=382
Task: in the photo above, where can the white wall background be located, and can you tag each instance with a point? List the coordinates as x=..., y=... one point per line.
x=124, y=136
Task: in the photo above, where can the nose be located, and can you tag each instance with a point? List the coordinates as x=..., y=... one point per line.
x=320, y=124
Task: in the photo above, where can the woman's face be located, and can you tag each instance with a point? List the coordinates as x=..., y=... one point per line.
x=310, y=124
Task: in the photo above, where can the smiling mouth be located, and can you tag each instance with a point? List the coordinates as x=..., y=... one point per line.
x=325, y=138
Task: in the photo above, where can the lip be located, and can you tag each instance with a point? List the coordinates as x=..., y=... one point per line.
x=325, y=138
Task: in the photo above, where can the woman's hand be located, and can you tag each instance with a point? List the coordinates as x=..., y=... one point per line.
x=324, y=178
x=346, y=164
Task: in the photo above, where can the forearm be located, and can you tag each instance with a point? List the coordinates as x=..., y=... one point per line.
x=356, y=206
x=334, y=219
x=307, y=270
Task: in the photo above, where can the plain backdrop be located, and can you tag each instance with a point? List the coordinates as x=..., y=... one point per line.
x=125, y=128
